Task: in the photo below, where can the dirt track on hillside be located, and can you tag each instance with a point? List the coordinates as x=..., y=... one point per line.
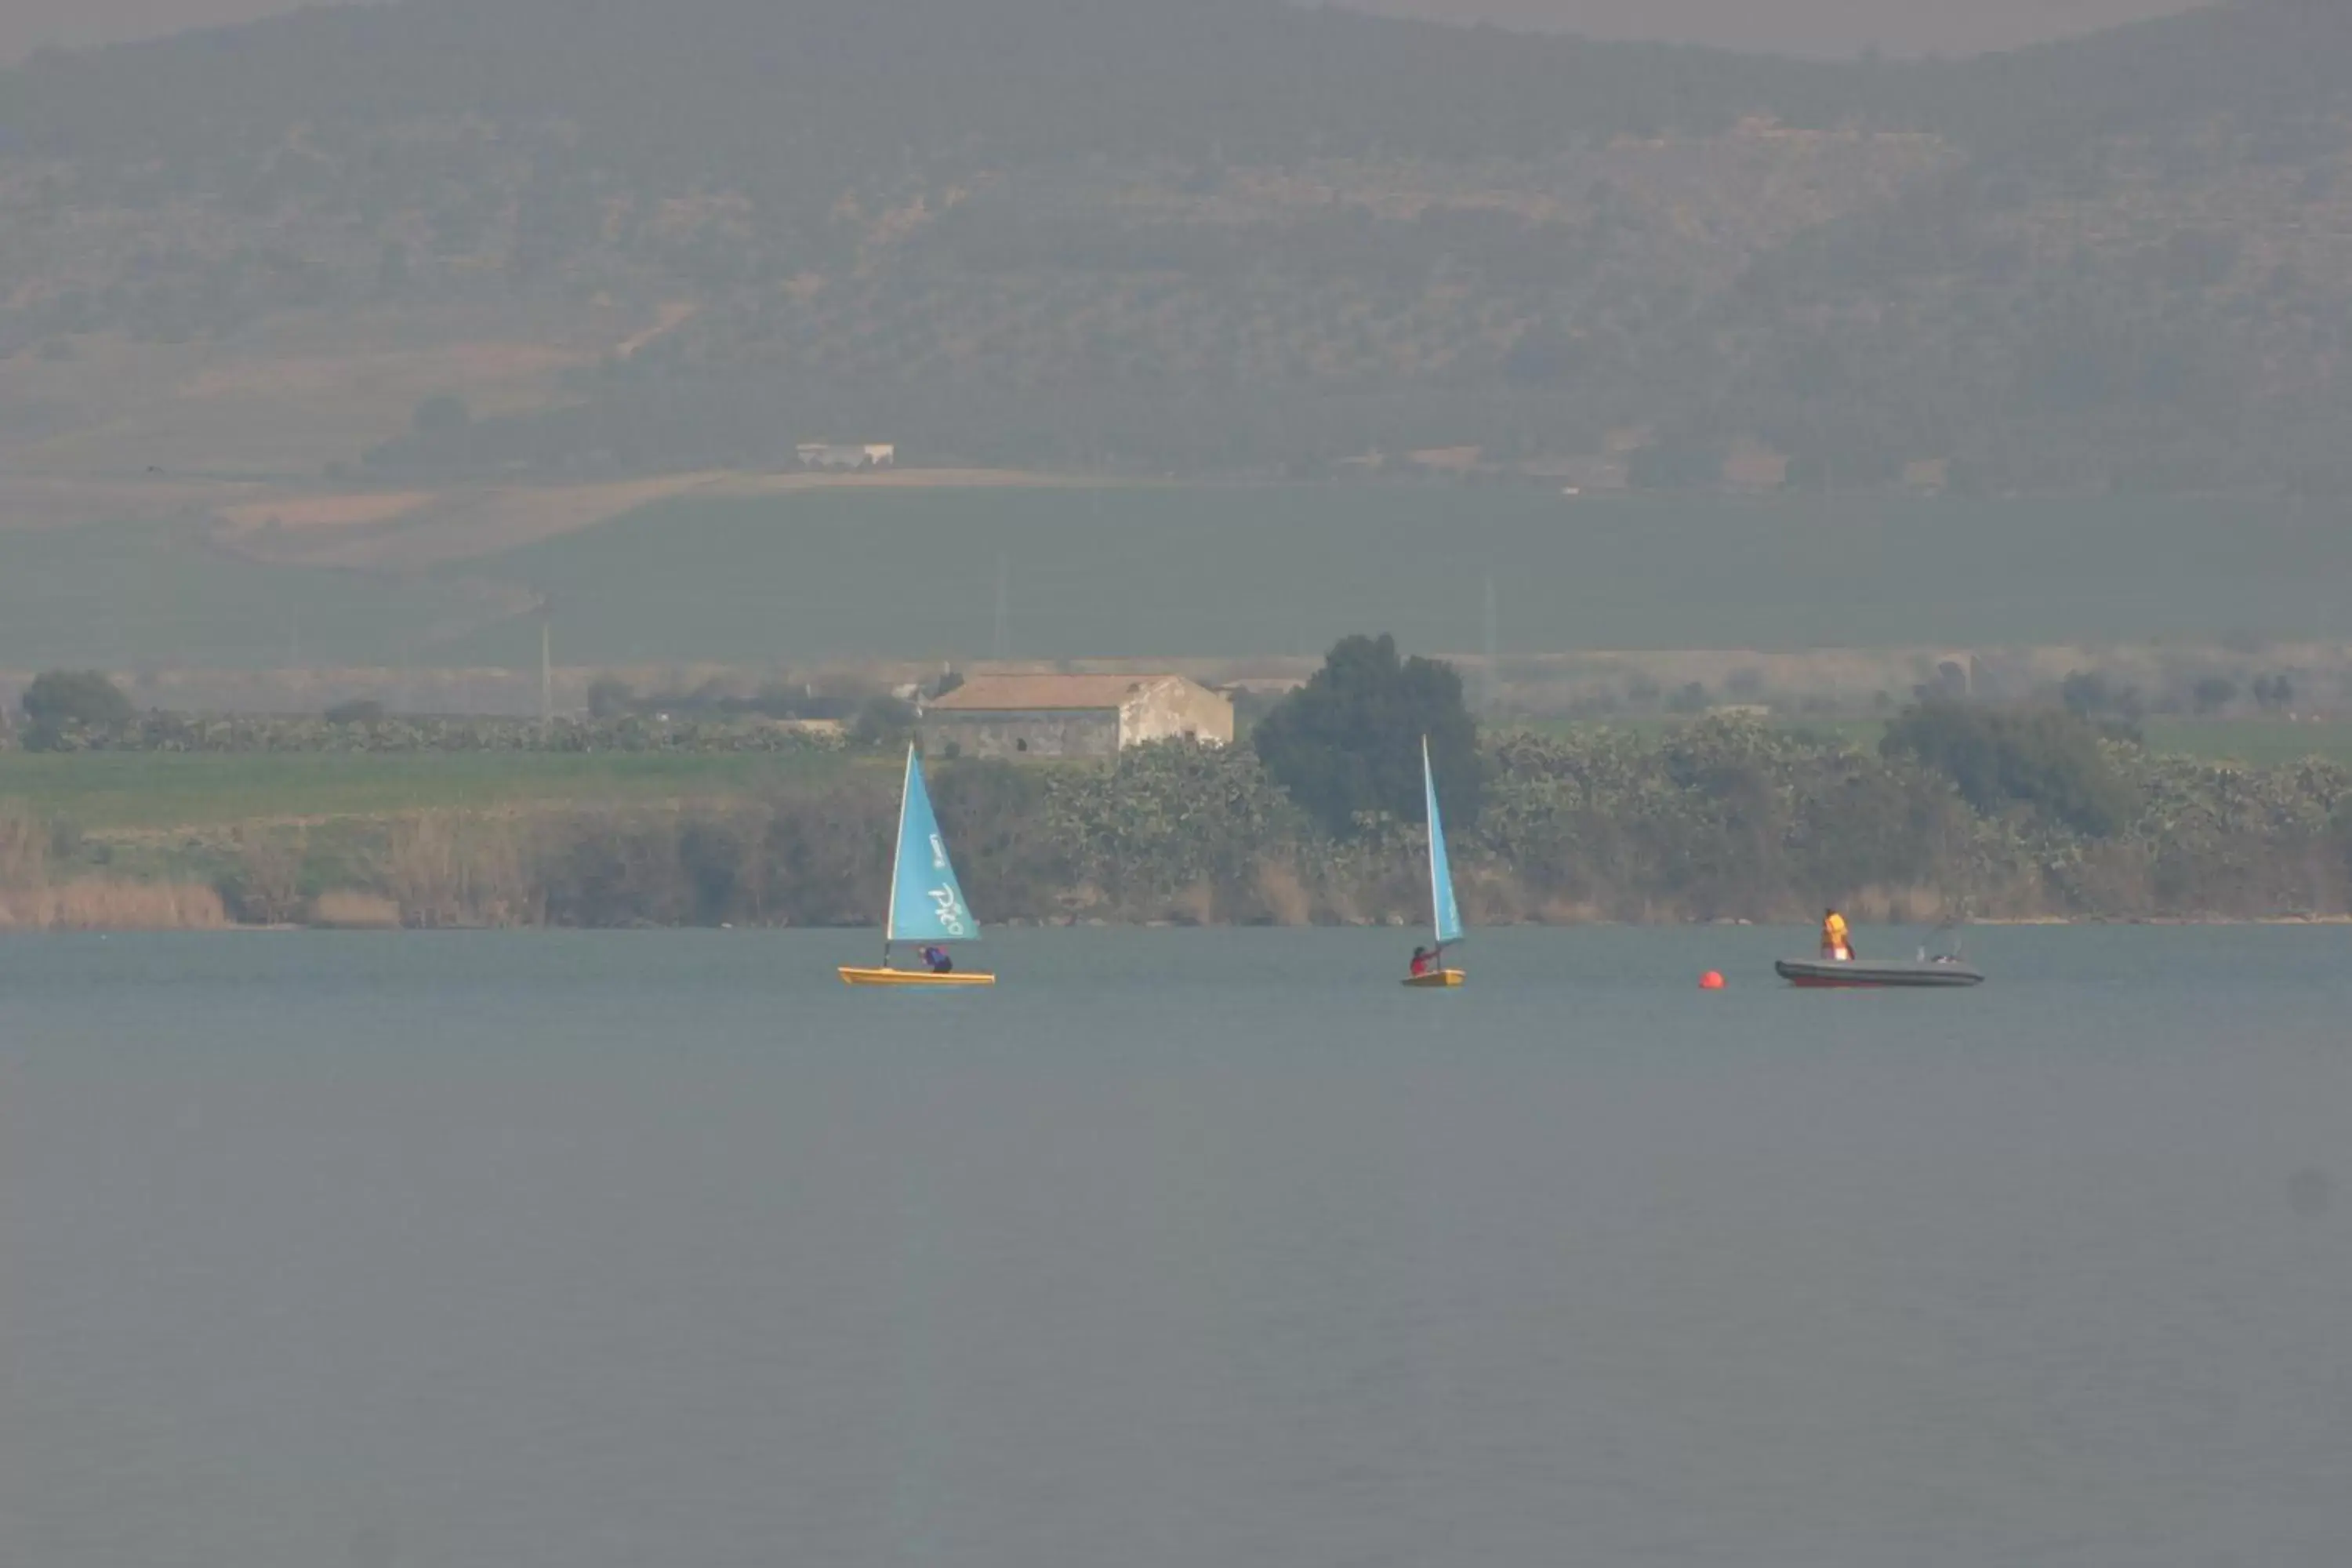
x=414, y=531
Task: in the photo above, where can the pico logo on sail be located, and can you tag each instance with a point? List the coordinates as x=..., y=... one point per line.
x=927, y=903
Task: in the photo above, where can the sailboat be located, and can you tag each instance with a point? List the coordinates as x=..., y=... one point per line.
x=1444, y=915
x=926, y=904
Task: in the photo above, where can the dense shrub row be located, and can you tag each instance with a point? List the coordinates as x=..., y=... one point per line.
x=1727, y=819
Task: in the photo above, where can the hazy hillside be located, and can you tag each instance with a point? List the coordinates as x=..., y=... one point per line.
x=1838, y=29
x=1223, y=237
x=1826, y=28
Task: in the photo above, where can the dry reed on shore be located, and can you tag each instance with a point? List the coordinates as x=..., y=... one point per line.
x=100, y=903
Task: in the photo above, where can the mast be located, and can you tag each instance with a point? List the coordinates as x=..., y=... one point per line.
x=897, y=847
x=1436, y=895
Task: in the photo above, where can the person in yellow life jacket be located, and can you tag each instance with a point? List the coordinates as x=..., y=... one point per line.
x=1834, y=941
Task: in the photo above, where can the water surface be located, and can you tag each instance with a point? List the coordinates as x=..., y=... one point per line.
x=1178, y=1248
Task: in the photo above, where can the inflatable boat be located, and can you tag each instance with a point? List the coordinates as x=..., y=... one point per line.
x=1844, y=974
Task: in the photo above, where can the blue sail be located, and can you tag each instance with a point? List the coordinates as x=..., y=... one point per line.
x=926, y=904
x=1445, y=916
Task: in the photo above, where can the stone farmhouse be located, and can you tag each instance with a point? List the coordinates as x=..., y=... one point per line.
x=1073, y=715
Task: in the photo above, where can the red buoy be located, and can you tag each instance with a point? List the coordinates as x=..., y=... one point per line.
x=1711, y=980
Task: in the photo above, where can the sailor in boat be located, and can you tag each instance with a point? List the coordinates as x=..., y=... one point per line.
x=1422, y=962
x=1835, y=943
x=935, y=959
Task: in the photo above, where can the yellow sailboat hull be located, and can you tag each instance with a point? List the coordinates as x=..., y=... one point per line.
x=853, y=975
x=1436, y=980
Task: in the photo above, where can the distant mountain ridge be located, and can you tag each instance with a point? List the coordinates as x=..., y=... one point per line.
x=1236, y=235
x=1830, y=28
x=1003, y=76
x=1269, y=68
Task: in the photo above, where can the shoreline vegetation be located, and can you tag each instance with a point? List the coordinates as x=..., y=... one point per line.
x=1957, y=813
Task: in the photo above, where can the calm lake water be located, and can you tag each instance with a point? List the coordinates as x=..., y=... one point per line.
x=1181, y=1249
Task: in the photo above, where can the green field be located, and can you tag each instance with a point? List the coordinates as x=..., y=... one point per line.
x=121, y=792
x=1243, y=570
x=122, y=596
x=1207, y=569
x=2258, y=742
x=2255, y=740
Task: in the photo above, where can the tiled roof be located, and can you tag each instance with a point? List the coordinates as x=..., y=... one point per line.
x=1030, y=693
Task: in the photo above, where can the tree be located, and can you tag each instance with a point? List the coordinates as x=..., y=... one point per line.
x=1675, y=462
x=884, y=722
x=1543, y=355
x=357, y=710
x=392, y=271
x=2090, y=694
x=2047, y=760
x=442, y=414
x=2213, y=693
x=1349, y=742
x=609, y=697
x=60, y=699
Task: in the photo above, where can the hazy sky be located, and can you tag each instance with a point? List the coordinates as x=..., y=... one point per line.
x=1812, y=27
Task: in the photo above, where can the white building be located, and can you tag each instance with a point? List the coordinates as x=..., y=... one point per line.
x=846, y=454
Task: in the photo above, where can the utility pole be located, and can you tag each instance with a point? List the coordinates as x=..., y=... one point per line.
x=546, y=664
x=1493, y=647
x=1004, y=594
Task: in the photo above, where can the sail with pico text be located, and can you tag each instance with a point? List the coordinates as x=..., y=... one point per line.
x=927, y=903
